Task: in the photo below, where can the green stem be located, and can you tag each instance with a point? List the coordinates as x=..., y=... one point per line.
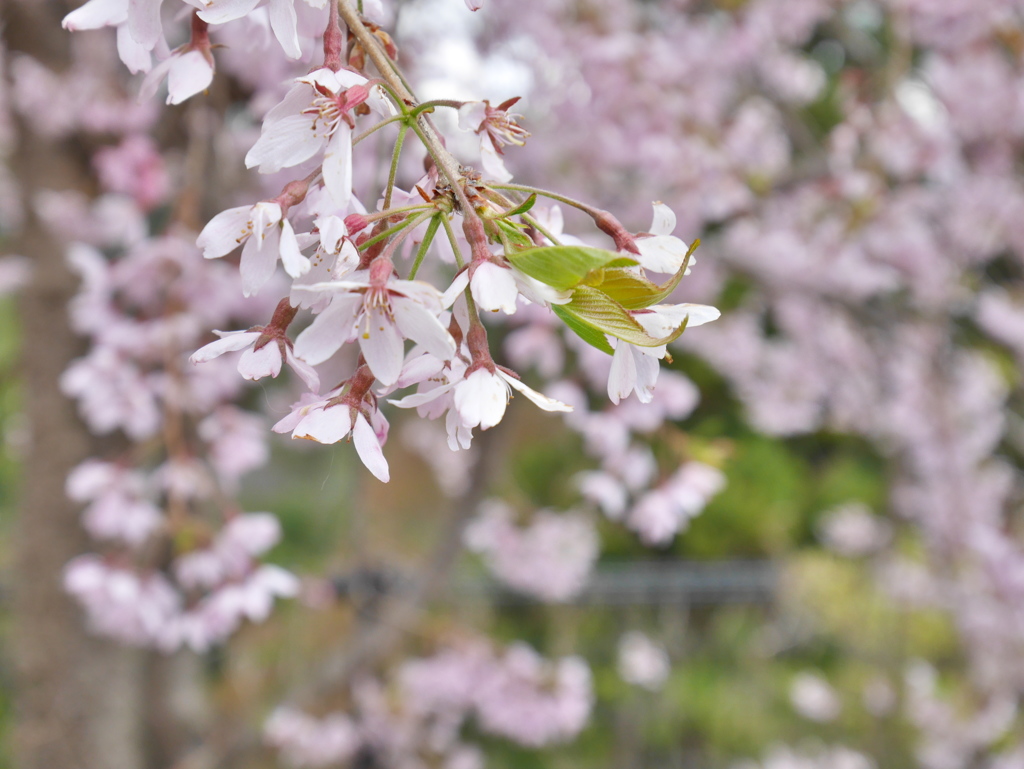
x=388, y=232
x=548, y=194
x=394, y=211
x=455, y=243
x=395, y=157
x=374, y=129
x=529, y=219
x=427, y=240
x=542, y=230
x=429, y=105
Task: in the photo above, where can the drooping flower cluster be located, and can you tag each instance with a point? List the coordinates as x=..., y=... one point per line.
x=382, y=318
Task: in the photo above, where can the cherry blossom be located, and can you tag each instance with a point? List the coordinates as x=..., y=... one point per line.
x=642, y=662
x=381, y=312
x=336, y=417
x=315, y=117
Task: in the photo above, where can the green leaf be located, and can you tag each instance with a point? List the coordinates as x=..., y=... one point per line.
x=601, y=312
x=633, y=291
x=523, y=207
x=516, y=237
x=562, y=267
x=586, y=332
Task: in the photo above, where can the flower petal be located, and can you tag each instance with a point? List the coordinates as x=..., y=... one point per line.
x=382, y=345
x=231, y=341
x=284, y=22
x=225, y=232
x=144, y=22
x=338, y=166
x=191, y=73
x=481, y=399
x=256, y=364
x=494, y=288
x=134, y=56
x=257, y=264
x=295, y=264
x=369, y=449
x=222, y=11
x=328, y=425
x=543, y=401
x=662, y=253
x=95, y=14
x=284, y=143
x=455, y=289
x=306, y=372
x=664, y=221
x=420, y=325
x=329, y=330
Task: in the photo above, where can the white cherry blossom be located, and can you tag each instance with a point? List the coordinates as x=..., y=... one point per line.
x=332, y=419
x=382, y=315
x=265, y=235
x=660, y=250
x=314, y=117
x=636, y=368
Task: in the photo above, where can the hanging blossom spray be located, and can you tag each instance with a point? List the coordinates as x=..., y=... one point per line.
x=425, y=265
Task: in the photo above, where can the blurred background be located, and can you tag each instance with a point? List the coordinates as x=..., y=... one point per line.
x=843, y=584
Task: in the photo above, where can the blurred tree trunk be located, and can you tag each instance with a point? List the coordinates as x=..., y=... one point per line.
x=78, y=702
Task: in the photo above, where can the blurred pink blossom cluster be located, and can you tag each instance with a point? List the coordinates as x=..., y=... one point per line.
x=873, y=245
x=512, y=693
x=550, y=557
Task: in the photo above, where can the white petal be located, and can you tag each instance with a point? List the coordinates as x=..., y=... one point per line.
x=256, y=364
x=382, y=346
x=306, y=372
x=662, y=319
x=369, y=449
x=95, y=14
x=191, y=73
x=647, y=369
x=455, y=289
x=481, y=399
x=332, y=230
x=284, y=23
x=416, y=400
x=421, y=326
x=151, y=82
x=543, y=401
x=494, y=288
x=540, y=293
x=661, y=253
x=284, y=143
x=230, y=342
x=698, y=314
x=329, y=330
x=222, y=11
x=144, y=22
x=338, y=166
x=135, y=56
x=664, y=221
x=299, y=97
x=295, y=264
x=257, y=264
x=224, y=232
x=493, y=165
x=328, y=425
x=471, y=115
x=622, y=376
